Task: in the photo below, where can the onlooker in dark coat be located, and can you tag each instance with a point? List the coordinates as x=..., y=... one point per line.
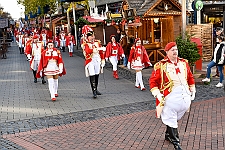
x=118, y=35
x=124, y=44
x=219, y=32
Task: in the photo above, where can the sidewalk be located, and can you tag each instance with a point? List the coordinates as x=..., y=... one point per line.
x=122, y=118
x=136, y=131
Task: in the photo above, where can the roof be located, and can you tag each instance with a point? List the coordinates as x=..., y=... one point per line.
x=144, y=7
x=58, y=19
x=92, y=20
x=104, y=2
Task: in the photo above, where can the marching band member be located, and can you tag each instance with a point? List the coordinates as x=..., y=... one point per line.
x=20, y=41
x=172, y=83
x=56, y=41
x=26, y=39
x=138, y=59
x=62, y=38
x=113, y=52
x=43, y=38
x=69, y=43
x=52, y=66
x=33, y=51
x=94, y=58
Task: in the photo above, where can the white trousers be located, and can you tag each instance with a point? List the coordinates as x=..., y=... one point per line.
x=70, y=47
x=21, y=45
x=94, y=66
x=176, y=104
x=35, y=65
x=114, y=62
x=62, y=43
x=44, y=42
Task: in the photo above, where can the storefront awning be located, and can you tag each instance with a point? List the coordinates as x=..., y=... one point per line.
x=92, y=20
x=58, y=19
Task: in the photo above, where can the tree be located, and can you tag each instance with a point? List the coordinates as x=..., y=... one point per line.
x=31, y=6
x=187, y=49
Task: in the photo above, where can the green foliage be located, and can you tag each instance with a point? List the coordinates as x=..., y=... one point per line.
x=81, y=21
x=187, y=49
x=32, y=5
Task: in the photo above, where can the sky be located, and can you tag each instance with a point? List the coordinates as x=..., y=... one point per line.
x=11, y=7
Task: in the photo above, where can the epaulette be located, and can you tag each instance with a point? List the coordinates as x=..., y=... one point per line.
x=165, y=59
x=98, y=41
x=58, y=51
x=157, y=66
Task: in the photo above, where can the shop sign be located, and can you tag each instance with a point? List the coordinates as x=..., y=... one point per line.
x=199, y=5
x=4, y=22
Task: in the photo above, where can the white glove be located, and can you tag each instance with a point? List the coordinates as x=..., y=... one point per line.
x=123, y=55
x=149, y=64
x=103, y=63
x=102, y=48
x=29, y=57
x=95, y=50
x=60, y=71
x=128, y=65
x=160, y=97
x=60, y=68
x=192, y=95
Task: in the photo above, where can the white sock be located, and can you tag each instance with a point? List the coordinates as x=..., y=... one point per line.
x=140, y=79
x=51, y=87
x=137, y=82
x=56, y=85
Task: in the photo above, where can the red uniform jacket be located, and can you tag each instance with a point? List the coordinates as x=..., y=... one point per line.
x=29, y=49
x=70, y=39
x=160, y=82
x=17, y=38
x=56, y=38
x=44, y=62
x=109, y=49
x=62, y=36
x=144, y=56
x=41, y=37
x=88, y=51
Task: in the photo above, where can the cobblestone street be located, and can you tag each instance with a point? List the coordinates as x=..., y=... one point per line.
x=122, y=118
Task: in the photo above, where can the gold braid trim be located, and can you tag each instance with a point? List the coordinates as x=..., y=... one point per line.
x=169, y=84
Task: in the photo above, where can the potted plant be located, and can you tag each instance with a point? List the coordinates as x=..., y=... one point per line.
x=188, y=50
x=108, y=22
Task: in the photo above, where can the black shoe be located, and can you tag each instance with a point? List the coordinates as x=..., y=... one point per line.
x=43, y=81
x=35, y=80
x=93, y=86
x=94, y=94
x=167, y=136
x=98, y=93
x=173, y=137
x=177, y=146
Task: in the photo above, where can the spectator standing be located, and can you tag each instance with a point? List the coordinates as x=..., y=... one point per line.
x=124, y=44
x=217, y=60
x=219, y=32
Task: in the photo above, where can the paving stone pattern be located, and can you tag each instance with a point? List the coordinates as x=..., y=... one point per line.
x=26, y=106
